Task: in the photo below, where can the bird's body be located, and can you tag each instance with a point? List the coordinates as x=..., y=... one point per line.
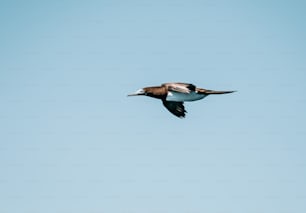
x=173, y=95
x=178, y=96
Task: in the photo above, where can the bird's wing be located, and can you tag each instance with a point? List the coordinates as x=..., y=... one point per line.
x=176, y=108
x=180, y=87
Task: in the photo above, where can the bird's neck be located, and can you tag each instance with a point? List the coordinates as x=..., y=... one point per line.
x=156, y=92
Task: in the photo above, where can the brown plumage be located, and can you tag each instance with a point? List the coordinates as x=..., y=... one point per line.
x=173, y=95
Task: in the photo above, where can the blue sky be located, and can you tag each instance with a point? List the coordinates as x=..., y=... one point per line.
x=71, y=141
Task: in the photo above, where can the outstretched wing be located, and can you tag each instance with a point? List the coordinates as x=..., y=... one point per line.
x=180, y=87
x=176, y=108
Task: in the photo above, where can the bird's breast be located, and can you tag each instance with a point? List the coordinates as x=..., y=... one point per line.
x=181, y=97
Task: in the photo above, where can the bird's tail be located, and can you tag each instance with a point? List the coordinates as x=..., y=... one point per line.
x=212, y=92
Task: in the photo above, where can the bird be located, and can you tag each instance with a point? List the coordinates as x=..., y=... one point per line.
x=173, y=95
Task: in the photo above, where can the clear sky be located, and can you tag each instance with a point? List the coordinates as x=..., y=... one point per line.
x=71, y=141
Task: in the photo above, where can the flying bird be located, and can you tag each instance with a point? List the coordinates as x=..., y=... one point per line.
x=173, y=95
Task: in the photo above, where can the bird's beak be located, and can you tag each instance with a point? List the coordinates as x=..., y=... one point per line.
x=133, y=94
x=138, y=92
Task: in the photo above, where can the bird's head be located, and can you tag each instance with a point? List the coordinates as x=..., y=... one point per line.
x=154, y=92
x=139, y=92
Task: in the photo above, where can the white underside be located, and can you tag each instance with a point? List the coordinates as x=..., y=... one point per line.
x=181, y=97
